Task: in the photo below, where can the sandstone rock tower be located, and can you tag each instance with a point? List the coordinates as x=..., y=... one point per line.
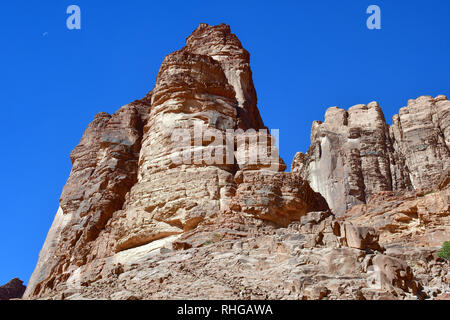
x=125, y=191
x=167, y=201
x=354, y=154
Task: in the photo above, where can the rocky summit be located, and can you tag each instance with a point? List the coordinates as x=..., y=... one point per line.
x=14, y=289
x=182, y=195
x=354, y=154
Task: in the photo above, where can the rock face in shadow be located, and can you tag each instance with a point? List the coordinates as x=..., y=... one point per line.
x=14, y=289
x=104, y=169
x=354, y=154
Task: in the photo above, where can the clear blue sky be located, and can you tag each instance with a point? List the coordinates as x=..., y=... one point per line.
x=306, y=56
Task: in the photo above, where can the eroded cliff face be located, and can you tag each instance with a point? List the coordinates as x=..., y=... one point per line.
x=126, y=190
x=163, y=201
x=394, y=179
x=104, y=169
x=354, y=154
x=420, y=136
x=203, y=89
x=14, y=289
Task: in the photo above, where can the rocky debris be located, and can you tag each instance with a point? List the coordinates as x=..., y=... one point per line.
x=360, y=237
x=244, y=258
x=417, y=218
x=430, y=271
x=14, y=289
x=354, y=154
x=412, y=226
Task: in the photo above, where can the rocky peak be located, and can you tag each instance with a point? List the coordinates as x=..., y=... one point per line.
x=166, y=199
x=354, y=154
x=348, y=160
x=126, y=190
x=14, y=289
x=223, y=46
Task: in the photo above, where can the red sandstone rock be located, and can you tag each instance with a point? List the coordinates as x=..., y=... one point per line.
x=135, y=224
x=125, y=190
x=14, y=289
x=104, y=169
x=354, y=154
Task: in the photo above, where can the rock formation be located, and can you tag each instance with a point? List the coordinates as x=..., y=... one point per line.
x=394, y=179
x=125, y=189
x=412, y=226
x=166, y=198
x=354, y=154
x=14, y=289
x=105, y=167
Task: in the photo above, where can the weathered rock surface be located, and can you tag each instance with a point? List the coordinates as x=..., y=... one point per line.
x=104, y=169
x=14, y=289
x=126, y=191
x=240, y=258
x=349, y=156
x=277, y=197
x=421, y=138
x=149, y=212
x=412, y=226
x=393, y=179
x=220, y=44
x=354, y=154
x=419, y=219
x=206, y=87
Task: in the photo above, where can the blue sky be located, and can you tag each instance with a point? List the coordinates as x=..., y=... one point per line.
x=306, y=56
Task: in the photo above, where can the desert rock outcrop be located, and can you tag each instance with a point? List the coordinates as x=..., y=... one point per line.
x=132, y=183
x=14, y=289
x=167, y=200
x=105, y=167
x=237, y=257
x=354, y=154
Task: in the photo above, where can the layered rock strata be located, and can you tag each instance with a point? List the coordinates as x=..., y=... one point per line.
x=14, y=289
x=236, y=257
x=105, y=165
x=164, y=165
x=354, y=154
x=166, y=199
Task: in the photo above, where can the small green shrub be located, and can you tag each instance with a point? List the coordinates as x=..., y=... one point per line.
x=208, y=243
x=445, y=251
x=217, y=237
